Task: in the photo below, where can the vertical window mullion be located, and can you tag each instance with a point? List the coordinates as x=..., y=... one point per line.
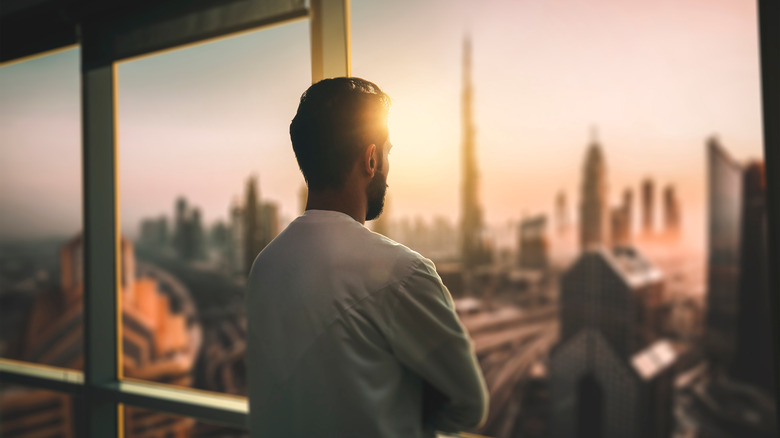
x=101, y=236
x=330, y=39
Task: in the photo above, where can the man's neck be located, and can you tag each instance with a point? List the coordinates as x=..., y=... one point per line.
x=338, y=200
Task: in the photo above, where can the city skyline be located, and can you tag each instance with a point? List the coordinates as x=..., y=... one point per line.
x=535, y=100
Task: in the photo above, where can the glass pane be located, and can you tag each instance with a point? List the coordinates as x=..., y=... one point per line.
x=30, y=412
x=40, y=210
x=588, y=180
x=207, y=178
x=144, y=423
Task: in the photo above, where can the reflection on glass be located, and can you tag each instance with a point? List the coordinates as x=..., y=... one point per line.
x=207, y=180
x=30, y=413
x=40, y=210
x=554, y=162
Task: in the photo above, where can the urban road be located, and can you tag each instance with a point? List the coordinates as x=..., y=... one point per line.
x=508, y=343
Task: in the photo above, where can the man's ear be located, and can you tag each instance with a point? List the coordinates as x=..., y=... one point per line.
x=369, y=161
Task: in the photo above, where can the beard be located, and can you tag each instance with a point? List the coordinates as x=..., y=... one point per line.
x=376, y=190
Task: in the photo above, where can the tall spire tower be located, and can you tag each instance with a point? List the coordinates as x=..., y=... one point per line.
x=594, y=209
x=472, y=247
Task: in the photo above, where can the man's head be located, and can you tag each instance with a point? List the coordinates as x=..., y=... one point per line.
x=339, y=122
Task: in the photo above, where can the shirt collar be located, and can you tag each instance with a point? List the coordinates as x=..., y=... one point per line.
x=328, y=214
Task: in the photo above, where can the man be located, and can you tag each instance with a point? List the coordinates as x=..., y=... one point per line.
x=350, y=333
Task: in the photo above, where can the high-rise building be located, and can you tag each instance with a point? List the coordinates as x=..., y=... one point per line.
x=188, y=236
x=253, y=239
x=473, y=246
x=737, y=337
x=180, y=216
x=561, y=214
x=671, y=212
x=253, y=226
x=160, y=342
x=628, y=207
x=594, y=209
x=533, y=244
x=154, y=232
x=236, y=253
x=619, y=226
x=610, y=375
x=725, y=204
x=616, y=292
x=269, y=223
x=648, y=212
x=754, y=359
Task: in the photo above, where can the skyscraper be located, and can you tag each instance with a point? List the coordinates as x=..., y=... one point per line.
x=188, y=236
x=252, y=233
x=754, y=360
x=610, y=376
x=622, y=221
x=619, y=226
x=594, y=210
x=671, y=212
x=648, y=189
x=533, y=243
x=561, y=215
x=628, y=207
x=725, y=204
x=737, y=338
x=473, y=247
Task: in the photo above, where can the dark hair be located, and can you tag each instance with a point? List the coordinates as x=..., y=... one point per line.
x=336, y=119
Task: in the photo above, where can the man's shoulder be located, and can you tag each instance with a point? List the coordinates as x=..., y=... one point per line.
x=341, y=245
x=382, y=253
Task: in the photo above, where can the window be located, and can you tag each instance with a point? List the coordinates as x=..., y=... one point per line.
x=192, y=224
x=105, y=251
x=40, y=211
x=591, y=159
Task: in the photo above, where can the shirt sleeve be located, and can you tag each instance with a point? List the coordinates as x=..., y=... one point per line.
x=427, y=337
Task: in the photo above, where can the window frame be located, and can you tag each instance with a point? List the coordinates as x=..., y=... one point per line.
x=101, y=383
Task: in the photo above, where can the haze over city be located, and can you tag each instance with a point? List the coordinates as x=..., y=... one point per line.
x=654, y=80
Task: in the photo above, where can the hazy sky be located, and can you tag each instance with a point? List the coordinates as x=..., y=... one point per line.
x=656, y=78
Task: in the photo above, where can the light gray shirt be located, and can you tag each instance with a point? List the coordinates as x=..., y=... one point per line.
x=354, y=335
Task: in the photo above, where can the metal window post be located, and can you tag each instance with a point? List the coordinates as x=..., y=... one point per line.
x=330, y=39
x=101, y=239
x=769, y=42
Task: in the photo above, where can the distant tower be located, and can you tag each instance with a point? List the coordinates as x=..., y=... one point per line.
x=671, y=212
x=561, y=217
x=198, y=247
x=648, y=188
x=621, y=221
x=532, y=243
x=473, y=250
x=619, y=227
x=628, y=208
x=252, y=232
x=179, y=222
x=594, y=210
